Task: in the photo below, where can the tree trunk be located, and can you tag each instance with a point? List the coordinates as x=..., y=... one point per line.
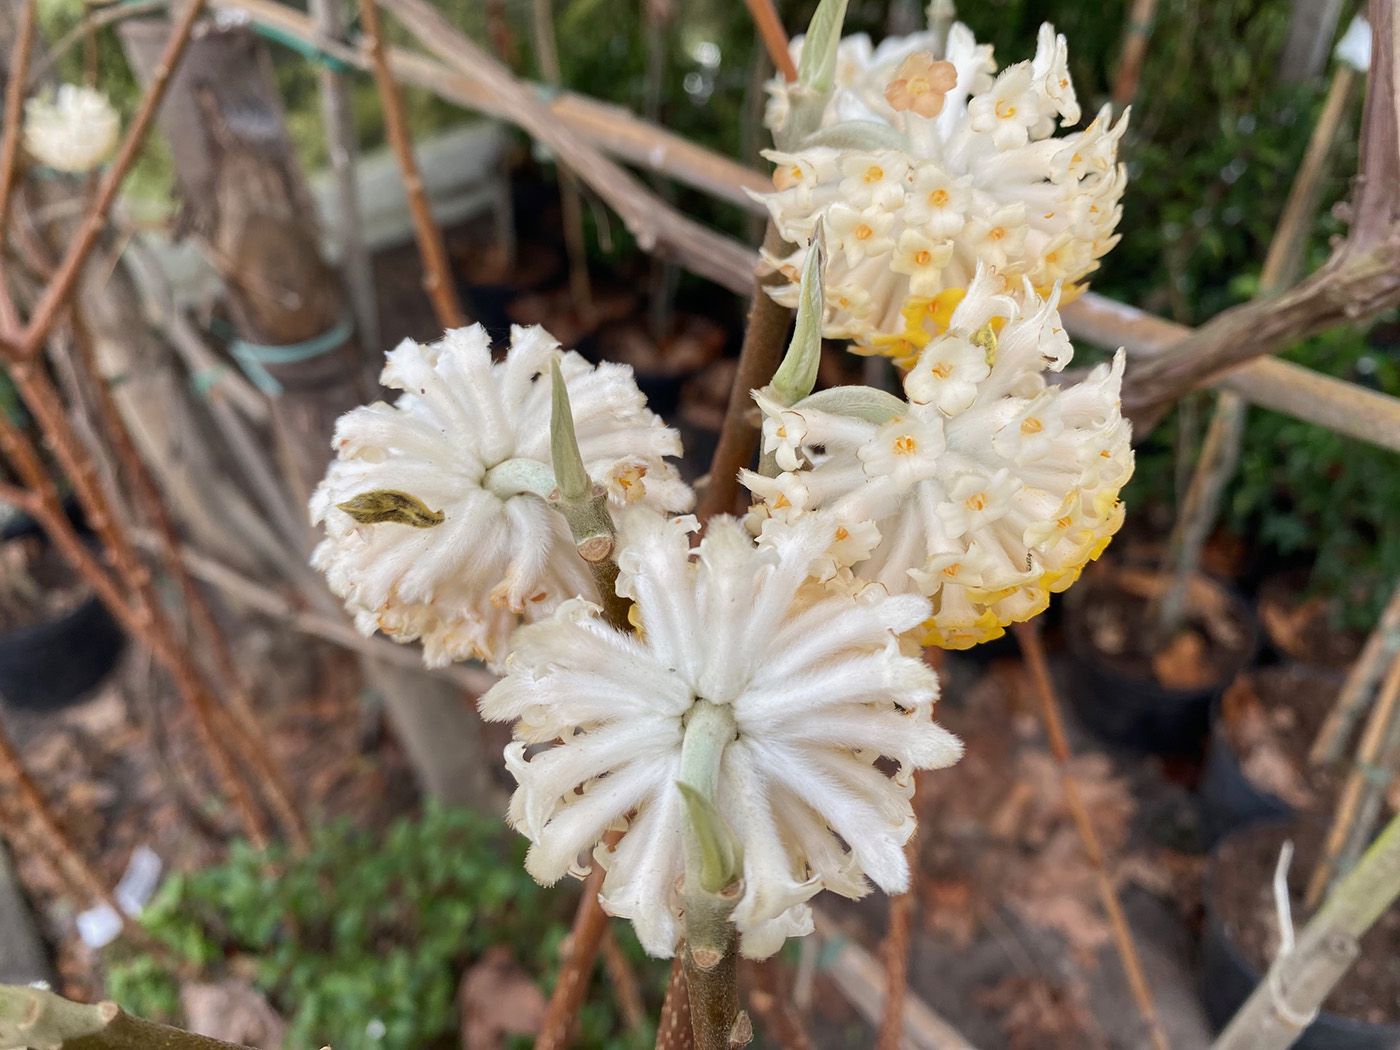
x=246, y=203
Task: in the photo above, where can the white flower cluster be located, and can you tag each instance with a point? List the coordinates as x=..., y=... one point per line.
x=816, y=685
x=468, y=437
x=772, y=670
x=925, y=168
x=987, y=490
x=74, y=130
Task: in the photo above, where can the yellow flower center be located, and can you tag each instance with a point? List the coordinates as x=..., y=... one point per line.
x=1031, y=425
x=874, y=173
x=938, y=198
x=942, y=370
x=841, y=533
x=923, y=257
x=904, y=445
x=1005, y=110
x=977, y=501
x=864, y=232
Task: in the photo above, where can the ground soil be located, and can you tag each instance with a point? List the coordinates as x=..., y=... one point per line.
x=1272, y=715
x=1242, y=894
x=35, y=584
x=1303, y=625
x=1212, y=644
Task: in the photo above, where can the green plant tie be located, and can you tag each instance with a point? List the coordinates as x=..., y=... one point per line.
x=305, y=48
x=254, y=358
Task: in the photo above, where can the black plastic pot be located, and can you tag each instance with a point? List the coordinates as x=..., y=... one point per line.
x=1228, y=979
x=53, y=664
x=1227, y=798
x=1136, y=712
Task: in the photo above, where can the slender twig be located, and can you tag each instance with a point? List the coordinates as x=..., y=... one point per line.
x=1381, y=647
x=338, y=119
x=437, y=273
x=585, y=939
x=67, y=861
x=627, y=992
x=145, y=619
x=775, y=41
x=12, y=131
x=770, y=1001
x=1365, y=787
x=267, y=602
x=243, y=730
x=1135, y=38
x=90, y=23
x=656, y=228
x=1346, y=408
x=1300, y=980
x=1033, y=652
x=895, y=949
x=570, y=201
x=55, y=296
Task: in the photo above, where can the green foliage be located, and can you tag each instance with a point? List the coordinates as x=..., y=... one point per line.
x=1305, y=491
x=364, y=934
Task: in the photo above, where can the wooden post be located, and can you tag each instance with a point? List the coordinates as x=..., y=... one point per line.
x=246, y=203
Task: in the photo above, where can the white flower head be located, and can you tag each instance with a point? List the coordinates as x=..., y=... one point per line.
x=990, y=488
x=469, y=438
x=818, y=688
x=74, y=130
x=925, y=168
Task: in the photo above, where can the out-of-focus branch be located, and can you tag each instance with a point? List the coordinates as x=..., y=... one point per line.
x=1284, y=387
x=437, y=274
x=56, y=293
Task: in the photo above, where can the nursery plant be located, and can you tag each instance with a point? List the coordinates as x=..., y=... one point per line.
x=720, y=696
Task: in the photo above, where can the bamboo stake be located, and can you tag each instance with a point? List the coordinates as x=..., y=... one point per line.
x=55, y=295
x=1300, y=980
x=437, y=274
x=1033, y=653
x=1381, y=646
x=1361, y=797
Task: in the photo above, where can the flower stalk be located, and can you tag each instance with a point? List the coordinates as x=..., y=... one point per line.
x=711, y=887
